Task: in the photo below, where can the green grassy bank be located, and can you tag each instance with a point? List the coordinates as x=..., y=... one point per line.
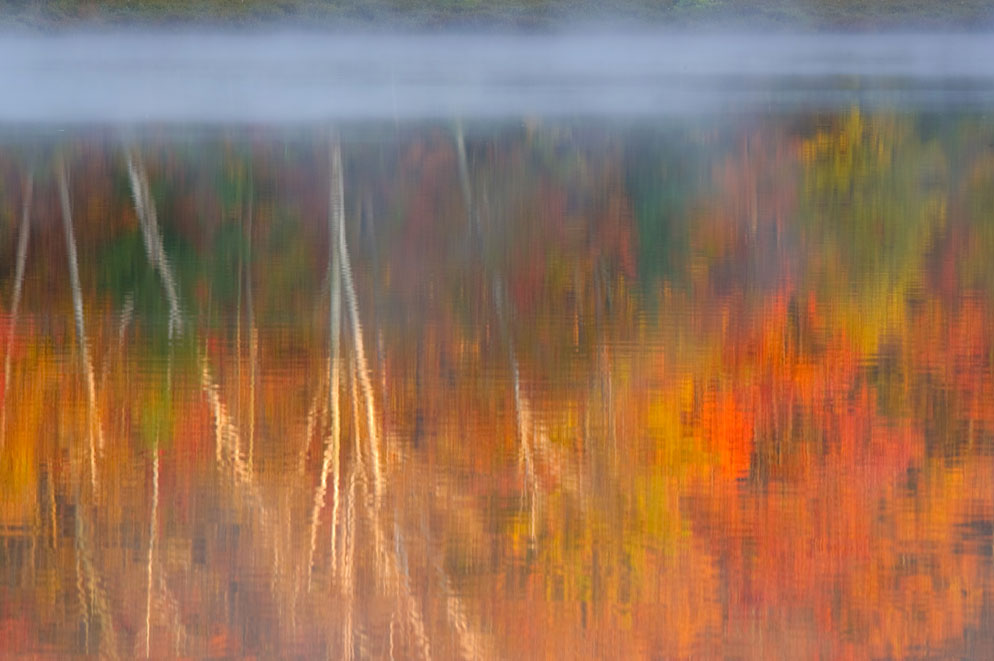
x=430, y=14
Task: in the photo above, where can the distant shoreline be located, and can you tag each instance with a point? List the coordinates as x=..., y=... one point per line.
x=515, y=15
x=305, y=78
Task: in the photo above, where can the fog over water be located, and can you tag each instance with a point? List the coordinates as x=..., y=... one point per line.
x=287, y=77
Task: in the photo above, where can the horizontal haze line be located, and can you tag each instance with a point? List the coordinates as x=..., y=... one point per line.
x=307, y=77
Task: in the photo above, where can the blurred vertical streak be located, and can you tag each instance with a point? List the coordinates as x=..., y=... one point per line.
x=353, y=309
x=253, y=336
x=93, y=423
x=152, y=532
x=22, y=252
x=330, y=461
x=147, y=219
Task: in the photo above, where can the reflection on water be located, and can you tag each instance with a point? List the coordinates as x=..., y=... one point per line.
x=692, y=389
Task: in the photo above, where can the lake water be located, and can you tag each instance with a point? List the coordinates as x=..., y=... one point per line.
x=414, y=348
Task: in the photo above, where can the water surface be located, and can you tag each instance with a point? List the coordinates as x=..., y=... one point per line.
x=305, y=78
x=536, y=386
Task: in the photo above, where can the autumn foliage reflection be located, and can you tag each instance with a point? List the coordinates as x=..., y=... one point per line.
x=660, y=392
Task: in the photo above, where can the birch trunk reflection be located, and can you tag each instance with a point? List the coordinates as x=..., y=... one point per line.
x=94, y=427
x=15, y=298
x=331, y=459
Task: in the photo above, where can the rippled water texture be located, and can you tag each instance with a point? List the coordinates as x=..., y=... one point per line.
x=714, y=386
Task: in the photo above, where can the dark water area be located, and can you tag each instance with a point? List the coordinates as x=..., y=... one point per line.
x=540, y=386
